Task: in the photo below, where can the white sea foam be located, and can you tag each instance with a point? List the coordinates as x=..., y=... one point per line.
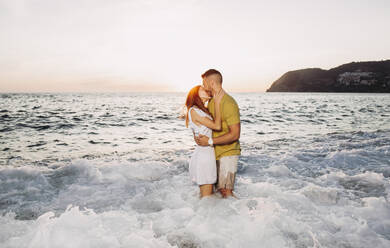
x=122, y=204
x=77, y=172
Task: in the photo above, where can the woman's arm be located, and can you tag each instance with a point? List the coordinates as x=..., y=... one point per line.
x=213, y=124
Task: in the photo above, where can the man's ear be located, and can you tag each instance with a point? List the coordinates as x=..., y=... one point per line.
x=212, y=84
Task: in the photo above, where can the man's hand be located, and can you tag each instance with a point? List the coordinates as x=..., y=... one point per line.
x=202, y=140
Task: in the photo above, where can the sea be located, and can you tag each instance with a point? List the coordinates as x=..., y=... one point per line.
x=111, y=170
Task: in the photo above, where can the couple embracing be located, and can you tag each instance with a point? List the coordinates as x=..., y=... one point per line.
x=216, y=128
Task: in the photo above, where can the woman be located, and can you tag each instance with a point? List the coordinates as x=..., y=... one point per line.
x=202, y=167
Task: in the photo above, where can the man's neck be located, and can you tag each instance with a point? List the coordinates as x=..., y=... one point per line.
x=216, y=90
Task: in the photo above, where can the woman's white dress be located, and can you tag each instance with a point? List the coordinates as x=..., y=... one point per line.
x=202, y=166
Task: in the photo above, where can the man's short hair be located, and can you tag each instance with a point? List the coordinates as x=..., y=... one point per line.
x=212, y=72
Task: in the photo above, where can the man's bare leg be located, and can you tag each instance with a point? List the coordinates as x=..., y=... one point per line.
x=222, y=191
x=228, y=192
x=206, y=190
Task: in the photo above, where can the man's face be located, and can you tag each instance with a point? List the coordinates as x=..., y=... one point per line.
x=206, y=85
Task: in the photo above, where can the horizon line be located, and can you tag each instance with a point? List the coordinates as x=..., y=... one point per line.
x=59, y=92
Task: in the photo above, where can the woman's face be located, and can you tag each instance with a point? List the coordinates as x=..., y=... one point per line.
x=204, y=96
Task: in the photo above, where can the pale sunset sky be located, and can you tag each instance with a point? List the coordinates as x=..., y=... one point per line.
x=157, y=45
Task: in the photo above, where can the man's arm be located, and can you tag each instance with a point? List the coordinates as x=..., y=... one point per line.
x=228, y=138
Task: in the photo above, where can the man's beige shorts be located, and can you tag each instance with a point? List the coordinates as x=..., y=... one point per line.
x=226, y=172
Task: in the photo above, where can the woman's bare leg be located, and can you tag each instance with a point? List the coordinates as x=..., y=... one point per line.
x=206, y=190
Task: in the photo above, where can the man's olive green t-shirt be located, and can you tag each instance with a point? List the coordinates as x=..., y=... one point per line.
x=230, y=115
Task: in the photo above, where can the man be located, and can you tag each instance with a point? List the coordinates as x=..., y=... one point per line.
x=226, y=141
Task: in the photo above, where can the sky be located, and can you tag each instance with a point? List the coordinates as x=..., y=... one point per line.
x=157, y=45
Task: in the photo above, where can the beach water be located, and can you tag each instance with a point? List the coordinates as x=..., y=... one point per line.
x=111, y=170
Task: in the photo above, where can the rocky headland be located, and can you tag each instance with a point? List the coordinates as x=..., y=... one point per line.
x=370, y=76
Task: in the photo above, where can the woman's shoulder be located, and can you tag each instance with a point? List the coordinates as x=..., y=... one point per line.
x=199, y=111
x=193, y=109
x=196, y=109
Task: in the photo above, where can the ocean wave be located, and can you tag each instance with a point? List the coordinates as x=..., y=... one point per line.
x=124, y=204
x=91, y=170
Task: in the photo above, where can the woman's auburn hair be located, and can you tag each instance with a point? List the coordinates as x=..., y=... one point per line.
x=193, y=99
